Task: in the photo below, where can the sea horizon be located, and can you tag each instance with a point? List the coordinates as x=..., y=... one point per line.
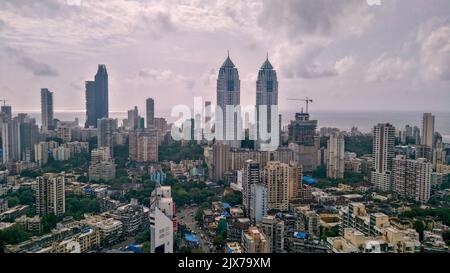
x=341, y=119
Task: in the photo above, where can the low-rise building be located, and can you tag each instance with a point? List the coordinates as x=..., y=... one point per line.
x=111, y=230
x=87, y=240
x=392, y=241
x=236, y=226
x=233, y=247
x=14, y=212
x=105, y=170
x=31, y=224
x=133, y=218
x=254, y=241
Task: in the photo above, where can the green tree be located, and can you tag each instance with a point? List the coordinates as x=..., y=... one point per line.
x=234, y=198
x=31, y=174
x=83, y=179
x=446, y=237
x=48, y=222
x=419, y=226
x=146, y=247
x=360, y=145
x=78, y=205
x=13, y=201
x=13, y=235
x=221, y=234
x=177, y=152
x=143, y=237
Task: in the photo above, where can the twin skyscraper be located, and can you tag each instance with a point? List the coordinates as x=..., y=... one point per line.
x=227, y=124
x=228, y=99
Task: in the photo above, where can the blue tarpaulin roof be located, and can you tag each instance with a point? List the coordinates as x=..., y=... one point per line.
x=191, y=238
x=309, y=180
x=226, y=205
x=226, y=214
x=230, y=250
x=301, y=235
x=134, y=248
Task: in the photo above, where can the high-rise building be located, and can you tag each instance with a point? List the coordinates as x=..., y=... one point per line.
x=100, y=154
x=47, y=110
x=143, y=146
x=296, y=180
x=221, y=160
x=412, y=178
x=251, y=175
x=208, y=114
x=50, y=195
x=97, y=101
x=150, y=103
x=64, y=129
x=416, y=135
x=7, y=110
x=162, y=128
x=133, y=118
x=29, y=136
x=276, y=177
x=408, y=131
x=228, y=97
x=428, y=129
x=102, y=171
x=258, y=202
x=266, y=96
x=162, y=220
x=7, y=141
x=105, y=130
x=335, y=158
x=41, y=151
x=91, y=111
x=383, y=154
x=302, y=130
x=274, y=229
x=10, y=132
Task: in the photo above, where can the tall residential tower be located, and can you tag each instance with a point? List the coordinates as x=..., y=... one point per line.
x=97, y=105
x=383, y=154
x=47, y=109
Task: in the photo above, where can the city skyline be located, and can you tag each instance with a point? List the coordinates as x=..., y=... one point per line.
x=228, y=126
x=341, y=56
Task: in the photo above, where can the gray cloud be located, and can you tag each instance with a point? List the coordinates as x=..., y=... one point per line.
x=314, y=17
x=156, y=24
x=308, y=28
x=28, y=63
x=41, y=9
x=301, y=61
x=434, y=40
x=386, y=68
x=324, y=46
x=166, y=76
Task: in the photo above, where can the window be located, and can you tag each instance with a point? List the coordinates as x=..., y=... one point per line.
x=230, y=86
x=269, y=85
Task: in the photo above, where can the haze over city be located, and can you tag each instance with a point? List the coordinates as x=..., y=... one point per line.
x=346, y=55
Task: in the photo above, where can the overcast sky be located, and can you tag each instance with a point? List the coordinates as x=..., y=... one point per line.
x=344, y=54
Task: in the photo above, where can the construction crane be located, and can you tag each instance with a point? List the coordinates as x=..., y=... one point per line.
x=306, y=100
x=4, y=102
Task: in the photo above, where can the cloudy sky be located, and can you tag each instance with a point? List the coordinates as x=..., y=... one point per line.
x=344, y=54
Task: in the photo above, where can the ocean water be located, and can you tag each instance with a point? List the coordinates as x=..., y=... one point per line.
x=344, y=120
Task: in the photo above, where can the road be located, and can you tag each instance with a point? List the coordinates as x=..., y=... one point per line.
x=186, y=216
